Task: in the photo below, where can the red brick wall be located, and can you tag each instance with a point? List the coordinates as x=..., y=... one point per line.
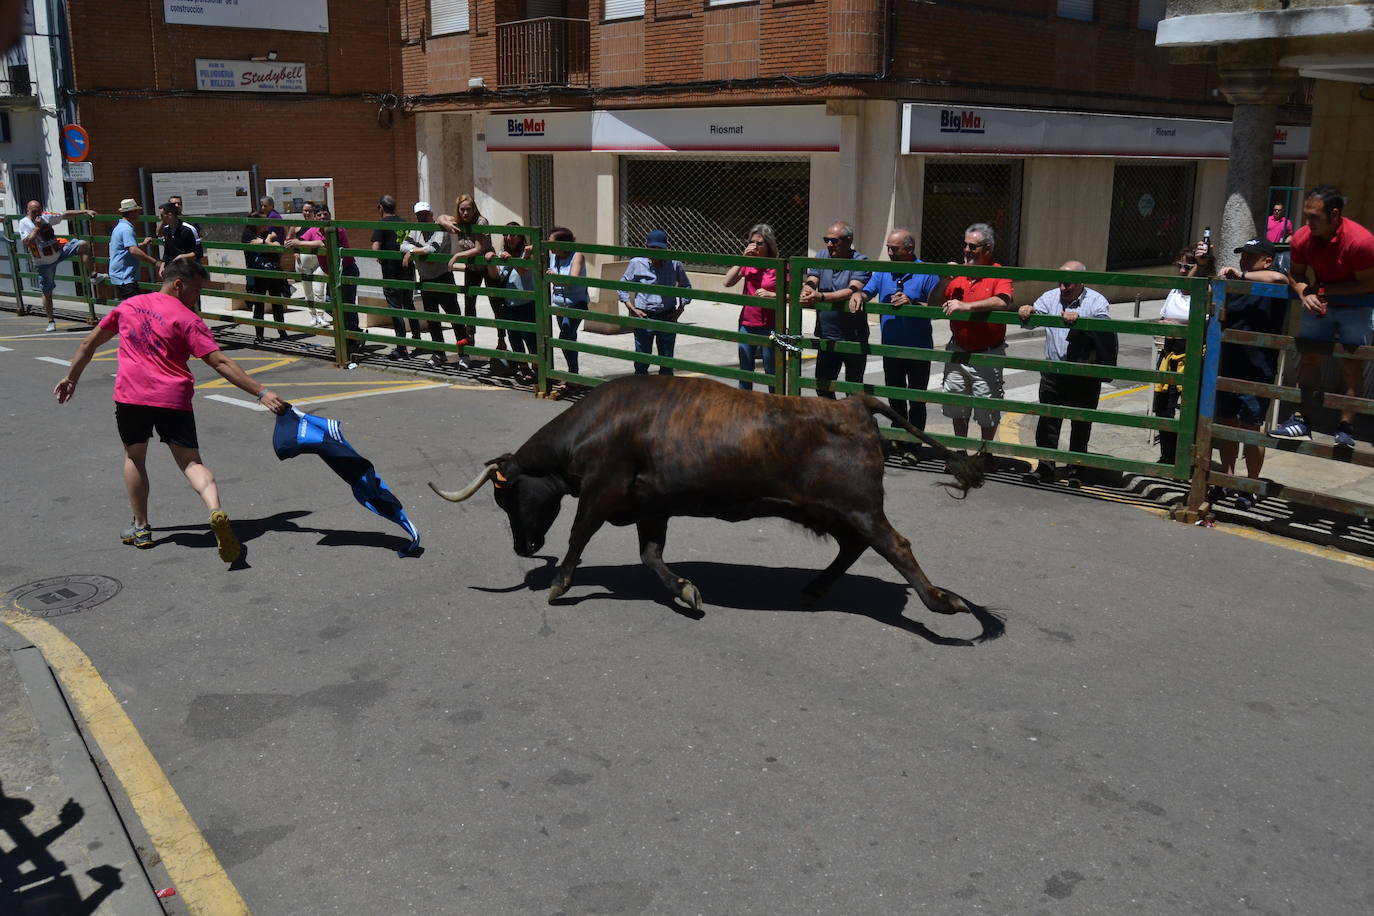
x=145, y=126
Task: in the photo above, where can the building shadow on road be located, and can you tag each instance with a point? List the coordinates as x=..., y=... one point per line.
x=34, y=882
x=747, y=588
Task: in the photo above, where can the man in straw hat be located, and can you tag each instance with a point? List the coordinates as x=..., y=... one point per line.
x=125, y=252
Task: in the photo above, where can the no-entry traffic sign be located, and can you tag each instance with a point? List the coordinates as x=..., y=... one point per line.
x=76, y=143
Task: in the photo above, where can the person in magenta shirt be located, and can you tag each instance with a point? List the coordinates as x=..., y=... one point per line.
x=761, y=282
x=1333, y=275
x=158, y=334
x=1279, y=228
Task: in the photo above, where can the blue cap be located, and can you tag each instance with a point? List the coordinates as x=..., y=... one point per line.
x=657, y=238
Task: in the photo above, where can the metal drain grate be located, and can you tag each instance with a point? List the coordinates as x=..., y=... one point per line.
x=63, y=595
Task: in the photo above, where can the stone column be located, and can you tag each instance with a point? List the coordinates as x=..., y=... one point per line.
x=1256, y=89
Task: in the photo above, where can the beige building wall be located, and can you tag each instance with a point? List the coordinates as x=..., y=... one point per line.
x=1342, y=151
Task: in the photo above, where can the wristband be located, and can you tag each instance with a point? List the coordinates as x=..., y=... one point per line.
x=261, y=393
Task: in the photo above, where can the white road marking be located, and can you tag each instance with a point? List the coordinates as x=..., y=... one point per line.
x=237, y=402
x=6, y=350
x=54, y=359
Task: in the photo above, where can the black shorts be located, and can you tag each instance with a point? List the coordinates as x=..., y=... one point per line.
x=137, y=422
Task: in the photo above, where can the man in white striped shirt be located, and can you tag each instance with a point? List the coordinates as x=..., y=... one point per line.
x=1070, y=301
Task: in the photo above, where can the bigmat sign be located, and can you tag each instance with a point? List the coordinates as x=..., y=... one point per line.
x=936, y=129
x=783, y=129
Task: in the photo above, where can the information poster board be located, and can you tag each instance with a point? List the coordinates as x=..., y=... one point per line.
x=290, y=193
x=208, y=193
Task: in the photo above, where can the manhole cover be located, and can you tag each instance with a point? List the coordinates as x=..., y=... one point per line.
x=63, y=595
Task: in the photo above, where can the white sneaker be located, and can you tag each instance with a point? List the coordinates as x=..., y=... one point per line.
x=52, y=326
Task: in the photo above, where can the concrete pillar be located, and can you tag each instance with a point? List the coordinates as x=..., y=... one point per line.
x=1255, y=89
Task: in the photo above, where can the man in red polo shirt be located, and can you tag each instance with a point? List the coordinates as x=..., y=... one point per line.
x=969, y=296
x=1333, y=274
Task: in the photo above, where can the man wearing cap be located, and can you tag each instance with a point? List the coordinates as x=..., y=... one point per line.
x=1333, y=274
x=418, y=245
x=125, y=252
x=1248, y=312
x=656, y=272
x=46, y=250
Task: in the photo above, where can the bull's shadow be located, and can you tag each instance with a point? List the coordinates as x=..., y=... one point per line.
x=747, y=588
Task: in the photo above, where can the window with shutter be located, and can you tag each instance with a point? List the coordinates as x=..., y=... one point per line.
x=624, y=9
x=447, y=16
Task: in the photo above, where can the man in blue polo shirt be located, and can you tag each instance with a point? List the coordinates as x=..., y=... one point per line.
x=820, y=290
x=901, y=289
x=125, y=252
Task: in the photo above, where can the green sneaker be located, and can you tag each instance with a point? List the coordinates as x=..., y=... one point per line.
x=140, y=537
x=225, y=539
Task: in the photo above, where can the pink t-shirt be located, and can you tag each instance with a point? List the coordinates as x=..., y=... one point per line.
x=157, y=337
x=755, y=279
x=315, y=234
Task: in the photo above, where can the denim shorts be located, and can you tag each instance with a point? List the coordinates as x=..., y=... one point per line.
x=1247, y=408
x=1350, y=324
x=47, y=273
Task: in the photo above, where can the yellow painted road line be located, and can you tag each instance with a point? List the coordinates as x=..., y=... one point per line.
x=370, y=392
x=1312, y=550
x=1124, y=391
x=199, y=878
x=276, y=363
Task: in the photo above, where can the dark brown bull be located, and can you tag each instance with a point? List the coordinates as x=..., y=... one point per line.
x=643, y=449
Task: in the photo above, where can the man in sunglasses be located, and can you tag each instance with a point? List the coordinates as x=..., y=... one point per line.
x=963, y=297
x=824, y=287
x=1071, y=301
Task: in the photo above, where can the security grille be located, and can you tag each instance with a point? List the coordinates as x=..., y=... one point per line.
x=1152, y=206
x=541, y=191
x=710, y=204
x=960, y=192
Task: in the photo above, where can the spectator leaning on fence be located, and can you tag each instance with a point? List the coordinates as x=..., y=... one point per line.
x=1071, y=300
x=257, y=234
x=969, y=296
x=348, y=267
x=312, y=263
x=757, y=320
x=125, y=251
x=418, y=246
x=1333, y=274
x=821, y=290
x=46, y=250
x=393, y=269
x=660, y=307
x=1173, y=349
x=900, y=289
x=515, y=277
x=567, y=296
x=1248, y=311
x=469, y=254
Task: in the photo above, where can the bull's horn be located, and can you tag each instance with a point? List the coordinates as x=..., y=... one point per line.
x=457, y=496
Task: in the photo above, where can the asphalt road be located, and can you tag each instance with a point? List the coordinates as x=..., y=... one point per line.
x=1178, y=720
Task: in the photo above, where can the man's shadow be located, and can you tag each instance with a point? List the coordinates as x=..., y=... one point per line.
x=250, y=529
x=34, y=882
x=743, y=587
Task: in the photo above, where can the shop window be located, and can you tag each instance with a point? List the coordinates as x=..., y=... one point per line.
x=447, y=16
x=710, y=204
x=1149, y=14
x=623, y=9
x=1082, y=10
x=1152, y=208
x=961, y=192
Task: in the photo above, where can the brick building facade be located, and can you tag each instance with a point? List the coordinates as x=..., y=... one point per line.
x=610, y=115
x=135, y=78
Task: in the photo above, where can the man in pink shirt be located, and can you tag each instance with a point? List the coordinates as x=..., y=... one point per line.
x=1279, y=228
x=158, y=334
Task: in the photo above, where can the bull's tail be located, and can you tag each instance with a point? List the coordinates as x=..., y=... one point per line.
x=969, y=470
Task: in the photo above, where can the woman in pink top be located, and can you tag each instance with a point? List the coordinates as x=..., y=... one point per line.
x=757, y=319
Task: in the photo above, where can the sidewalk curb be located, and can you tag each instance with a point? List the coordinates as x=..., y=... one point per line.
x=80, y=776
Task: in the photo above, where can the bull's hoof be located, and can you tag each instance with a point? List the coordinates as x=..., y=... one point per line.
x=689, y=594
x=556, y=591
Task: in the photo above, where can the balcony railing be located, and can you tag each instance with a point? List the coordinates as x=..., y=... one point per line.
x=550, y=51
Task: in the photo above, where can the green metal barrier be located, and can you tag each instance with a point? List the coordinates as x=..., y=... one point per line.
x=695, y=296
x=1183, y=426
x=17, y=274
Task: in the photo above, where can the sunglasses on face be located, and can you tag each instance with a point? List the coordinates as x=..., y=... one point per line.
x=1184, y=265
x=973, y=246
x=832, y=240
